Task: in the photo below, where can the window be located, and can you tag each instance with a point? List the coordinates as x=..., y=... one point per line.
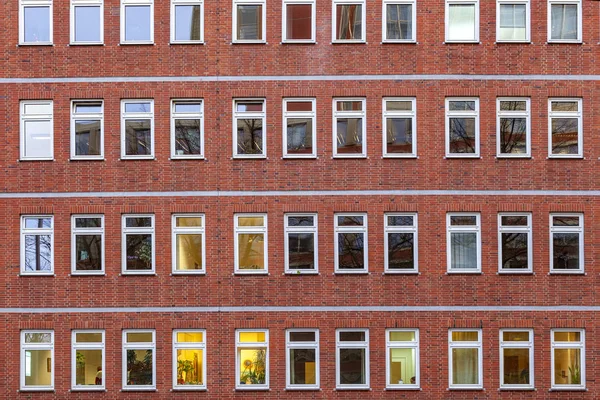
x=565, y=128
x=568, y=358
x=252, y=359
x=352, y=359
x=402, y=355
x=466, y=365
x=249, y=21
x=399, y=24
x=35, y=22
x=399, y=127
x=87, y=129
x=87, y=21
x=137, y=129
x=400, y=241
x=139, y=359
x=566, y=243
x=189, y=359
x=301, y=246
x=187, y=21
x=87, y=360
x=462, y=21
x=302, y=358
x=299, y=136
x=137, y=21
x=250, y=243
x=349, y=128
x=512, y=21
x=37, y=244
x=516, y=358
x=349, y=21
x=513, y=127
x=138, y=244
x=189, y=250
x=249, y=129
x=351, y=243
x=462, y=127
x=87, y=239
x=515, y=245
x=37, y=360
x=37, y=135
x=564, y=21
x=464, y=242
x=187, y=129
x=299, y=21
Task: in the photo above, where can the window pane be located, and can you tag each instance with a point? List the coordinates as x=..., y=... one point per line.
x=465, y=369
x=251, y=221
x=138, y=137
x=461, y=20
x=465, y=336
x=301, y=251
x=567, y=366
x=190, y=337
x=399, y=21
x=351, y=251
x=514, y=251
x=349, y=105
x=38, y=253
x=87, y=24
x=566, y=250
x=189, y=366
x=139, y=252
x=516, y=367
x=188, y=222
x=511, y=336
x=188, y=107
x=88, y=222
x=38, y=138
x=88, y=367
x=563, y=21
x=463, y=250
x=38, y=337
x=137, y=23
x=458, y=105
x=402, y=336
x=401, y=250
x=139, y=367
x=32, y=222
x=189, y=252
x=400, y=220
x=298, y=106
x=348, y=22
x=514, y=220
x=302, y=336
x=187, y=22
x=251, y=251
x=462, y=135
x=298, y=23
x=138, y=222
x=36, y=24
x=88, y=107
x=403, y=366
x=565, y=221
x=565, y=135
x=303, y=367
x=513, y=135
x=88, y=252
x=301, y=220
x=512, y=22
x=138, y=107
x=253, y=366
x=88, y=337
x=188, y=138
x=349, y=135
x=249, y=106
x=250, y=136
x=458, y=220
x=565, y=106
x=252, y=337
x=38, y=367
x=139, y=337
x=249, y=22
x=399, y=135
x=87, y=138
x=350, y=220
x=352, y=336
x=352, y=367
x=510, y=105
x=299, y=135
x=562, y=336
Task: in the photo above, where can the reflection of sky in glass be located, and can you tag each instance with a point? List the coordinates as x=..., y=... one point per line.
x=137, y=23
x=87, y=24
x=187, y=18
x=37, y=24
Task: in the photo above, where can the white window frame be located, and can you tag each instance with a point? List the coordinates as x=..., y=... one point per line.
x=239, y=346
x=400, y=114
x=86, y=231
x=128, y=230
x=36, y=231
x=86, y=3
x=175, y=3
x=527, y=21
x=195, y=230
x=567, y=229
x=313, y=24
x=250, y=229
x=138, y=346
x=414, y=229
x=351, y=229
x=339, y=345
x=566, y=114
x=36, y=346
x=86, y=117
x=250, y=115
x=350, y=114
x=35, y=3
x=124, y=4
x=463, y=114
x=567, y=345
x=363, y=34
x=189, y=345
x=579, y=21
x=517, y=345
x=470, y=345
x=301, y=229
x=463, y=229
x=289, y=345
x=447, y=20
x=36, y=117
x=87, y=346
x=300, y=114
x=402, y=345
x=175, y=116
x=513, y=114
x=384, y=37
x=515, y=229
x=126, y=116
x=234, y=18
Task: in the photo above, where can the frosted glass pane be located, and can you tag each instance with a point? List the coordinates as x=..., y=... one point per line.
x=461, y=20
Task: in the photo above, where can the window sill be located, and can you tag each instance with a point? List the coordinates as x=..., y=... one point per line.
x=461, y=156
x=396, y=156
x=262, y=157
x=568, y=389
x=583, y=273
x=299, y=389
x=517, y=389
x=574, y=157
x=399, y=42
x=349, y=42
x=203, y=273
x=87, y=159
x=201, y=43
x=252, y=42
x=251, y=389
x=151, y=158
x=351, y=273
x=401, y=273
x=515, y=273
x=176, y=158
x=88, y=390
x=33, y=275
x=462, y=42
x=298, y=42
x=137, y=44
x=343, y=389
x=565, y=42
x=307, y=157
x=458, y=389
x=348, y=157
x=238, y=273
x=139, y=390
x=294, y=273
x=35, y=44
x=513, y=42
x=36, y=159
x=85, y=44
x=402, y=388
x=87, y=274
x=464, y=273
x=191, y=389
x=509, y=157
x=47, y=390
x=138, y=274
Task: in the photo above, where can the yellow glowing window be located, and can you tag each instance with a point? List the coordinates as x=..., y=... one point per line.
x=139, y=337
x=252, y=337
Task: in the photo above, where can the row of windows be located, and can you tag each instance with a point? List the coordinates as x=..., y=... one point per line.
x=463, y=243
x=399, y=115
x=298, y=26
x=302, y=354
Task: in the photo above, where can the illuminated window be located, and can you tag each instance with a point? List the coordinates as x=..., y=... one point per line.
x=250, y=243
x=462, y=127
x=349, y=21
x=87, y=21
x=466, y=365
x=87, y=362
x=566, y=243
x=299, y=135
x=513, y=127
x=139, y=359
x=400, y=20
x=516, y=358
x=299, y=21
x=187, y=21
x=349, y=128
x=565, y=128
x=87, y=239
x=515, y=247
x=187, y=129
x=512, y=21
x=351, y=243
x=302, y=358
x=462, y=21
x=37, y=133
x=568, y=358
x=35, y=22
x=87, y=129
x=252, y=359
x=188, y=243
x=137, y=21
x=464, y=242
x=138, y=244
x=249, y=21
x=352, y=358
x=564, y=21
x=249, y=129
x=37, y=244
x=400, y=242
x=137, y=129
x=399, y=127
x=37, y=360
x=402, y=354
x=301, y=247
x=189, y=359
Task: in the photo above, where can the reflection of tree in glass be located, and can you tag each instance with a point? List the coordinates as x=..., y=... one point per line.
x=139, y=372
x=252, y=248
x=250, y=136
x=462, y=135
x=400, y=250
x=38, y=251
x=564, y=135
x=351, y=250
x=187, y=136
x=566, y=250
x=514, y=250
x=37, y=337
x=139, y=251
